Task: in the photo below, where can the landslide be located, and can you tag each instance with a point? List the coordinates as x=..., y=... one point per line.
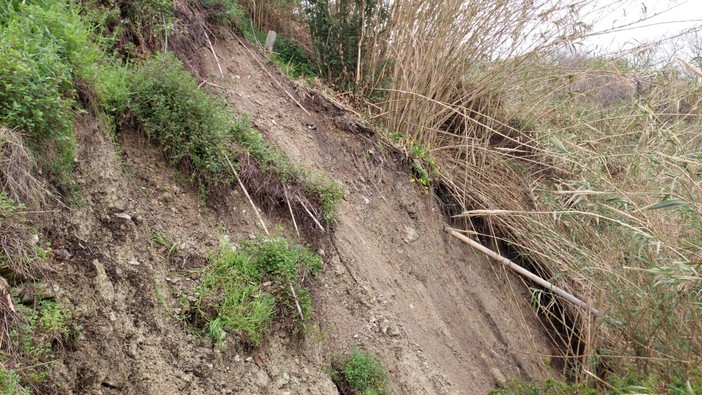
x=440, y=317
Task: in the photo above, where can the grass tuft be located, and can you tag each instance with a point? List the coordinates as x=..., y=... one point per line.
x=246, y=289
x=360, y=373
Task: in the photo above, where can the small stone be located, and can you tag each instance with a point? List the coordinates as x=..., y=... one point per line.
x=123, y=216
x=134, y=262
x=62, y=254
x=500, y=379
x=365, y=200
x=411, y=235
x=113, y=317
x=321, y=253
x=138, y=219
x=249, y=359
x=237, y=358
x=393, y=331
x=283, y=380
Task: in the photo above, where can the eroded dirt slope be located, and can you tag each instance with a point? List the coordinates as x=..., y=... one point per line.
x=440, y=316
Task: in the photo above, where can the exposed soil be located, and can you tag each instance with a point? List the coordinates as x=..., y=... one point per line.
x=439, y=316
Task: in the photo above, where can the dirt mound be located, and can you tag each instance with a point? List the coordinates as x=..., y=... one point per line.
x=394, y=282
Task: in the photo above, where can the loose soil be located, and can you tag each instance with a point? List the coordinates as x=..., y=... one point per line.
x=442, y=319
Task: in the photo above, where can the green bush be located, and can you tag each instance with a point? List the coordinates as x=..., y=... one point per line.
x=196, y=130
x=10, y=382
x=223, y=12
x=362, y=373
x=193, y=128
x=245, y=289
x=45, y=47
x=336, y=33
x=42, y=327
x=293, y=59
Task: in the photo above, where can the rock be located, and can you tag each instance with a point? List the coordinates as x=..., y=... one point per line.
x=411, y=235
x=134, y=262
x=62, y=254
x=138, y=219
x=283, y=380
x=260, y=378
x=111, y=383
x=500, y=379
x=249, y=359
x=237, y=358
x=393, y=331
x=123, y=216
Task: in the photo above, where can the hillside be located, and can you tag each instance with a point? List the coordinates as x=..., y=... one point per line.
x=185, y=212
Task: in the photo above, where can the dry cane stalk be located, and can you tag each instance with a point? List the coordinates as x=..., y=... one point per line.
x=520, y=270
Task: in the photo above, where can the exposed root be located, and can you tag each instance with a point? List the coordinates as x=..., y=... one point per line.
x=265, y=187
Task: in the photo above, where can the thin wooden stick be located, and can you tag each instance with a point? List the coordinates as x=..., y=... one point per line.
x=520, y=270
x=297, y=304
x=271, y=75
x=311, y=215
x=243, y=188
x=204, y=30
x=287, y=199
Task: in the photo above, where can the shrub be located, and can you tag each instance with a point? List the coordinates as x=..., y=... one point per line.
x=245, y=289
x=46, y=47
x=360, y=372
x=32, y=343
x=223, y=12
x=339, y=31
x=192, y=127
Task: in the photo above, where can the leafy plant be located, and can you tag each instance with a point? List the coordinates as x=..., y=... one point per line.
x=340, y=32
x=192, y=127
x=360, y=372
x=42, y=327
x=245, y=289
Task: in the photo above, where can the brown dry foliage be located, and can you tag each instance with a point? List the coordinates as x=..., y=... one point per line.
x=16, y=167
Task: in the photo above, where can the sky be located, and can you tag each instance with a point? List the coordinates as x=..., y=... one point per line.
x=662, y=18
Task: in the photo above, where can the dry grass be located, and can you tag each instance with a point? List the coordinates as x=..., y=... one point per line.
x=586, y=169
x=16, y=167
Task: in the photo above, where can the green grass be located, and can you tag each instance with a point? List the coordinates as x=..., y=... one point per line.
x=42, y=328
x=245, y=290
x=361, y=373
x=197, y=130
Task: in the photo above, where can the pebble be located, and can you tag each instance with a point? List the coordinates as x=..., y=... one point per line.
x=411, y=235
x=62, y=254
x=124, y=216
x=500, y=379
x=249, y=359
x=237, y=358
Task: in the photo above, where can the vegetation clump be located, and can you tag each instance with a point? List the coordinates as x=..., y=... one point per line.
x=360, y=373
x=247, y=287
x=26, y=359
x=46, y=48
x=200, y=133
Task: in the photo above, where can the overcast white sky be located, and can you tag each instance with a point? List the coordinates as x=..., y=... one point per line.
x=673, y=17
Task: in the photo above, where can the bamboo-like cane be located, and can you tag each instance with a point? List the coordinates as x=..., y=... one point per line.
x=523, y=272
